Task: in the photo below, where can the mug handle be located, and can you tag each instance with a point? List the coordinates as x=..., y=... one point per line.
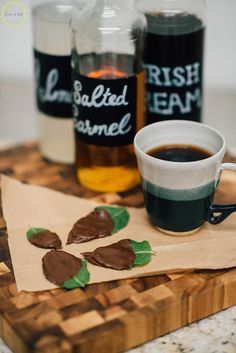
x=223, y=211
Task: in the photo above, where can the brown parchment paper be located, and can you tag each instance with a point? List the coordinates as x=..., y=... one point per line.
x=212, y=247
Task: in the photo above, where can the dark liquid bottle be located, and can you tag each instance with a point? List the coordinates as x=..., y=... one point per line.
x=108, y=89
x=174, y=59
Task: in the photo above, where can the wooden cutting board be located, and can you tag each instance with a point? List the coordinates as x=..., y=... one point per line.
x=107, y=317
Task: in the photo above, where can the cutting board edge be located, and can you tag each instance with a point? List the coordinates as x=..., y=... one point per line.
x=151, y=314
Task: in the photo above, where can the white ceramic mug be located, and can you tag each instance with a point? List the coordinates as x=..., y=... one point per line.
x=178, y=195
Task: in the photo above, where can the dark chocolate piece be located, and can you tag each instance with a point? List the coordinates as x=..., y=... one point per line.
x=59, y=266
x=118, y=256
x=46, y=240
x=98, y=224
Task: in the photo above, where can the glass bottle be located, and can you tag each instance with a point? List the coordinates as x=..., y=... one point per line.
x=108, y=92
x=52, y=54
x=174, y=58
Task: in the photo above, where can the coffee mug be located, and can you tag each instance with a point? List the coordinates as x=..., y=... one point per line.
x=179, y=194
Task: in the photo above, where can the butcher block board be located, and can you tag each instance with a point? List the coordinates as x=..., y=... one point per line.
x=108, y=317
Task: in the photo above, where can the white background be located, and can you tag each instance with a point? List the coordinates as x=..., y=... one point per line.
x=16, y=67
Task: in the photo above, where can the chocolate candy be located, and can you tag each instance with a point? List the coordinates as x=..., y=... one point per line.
x=98, y=224
x=46, y=240
x=59, y=266
x=118, y=256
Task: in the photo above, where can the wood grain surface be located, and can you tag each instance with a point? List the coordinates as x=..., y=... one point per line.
x=108, y=317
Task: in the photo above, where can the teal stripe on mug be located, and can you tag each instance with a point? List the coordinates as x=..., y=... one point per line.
x=179, y=195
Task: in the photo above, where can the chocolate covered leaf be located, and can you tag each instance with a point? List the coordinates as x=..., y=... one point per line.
x=119, y=215
x=123, y=255
x=33, y=231
x=43, y=238
x=143, y=252
x=64, y=269
x=97, y=224
x=80, y=280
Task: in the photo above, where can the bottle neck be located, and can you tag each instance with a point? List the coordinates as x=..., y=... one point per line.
x=122, y=3
x=113, y=4
x=170, y=7
x=109, y=8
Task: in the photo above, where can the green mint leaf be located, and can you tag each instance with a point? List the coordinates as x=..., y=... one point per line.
x=80, y=280
x=33, y=231
x=119, y=215
x=143, y=252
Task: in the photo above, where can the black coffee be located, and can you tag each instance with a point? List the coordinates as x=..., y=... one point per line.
x=179, y=215
x=174, y=63
x=179, y=153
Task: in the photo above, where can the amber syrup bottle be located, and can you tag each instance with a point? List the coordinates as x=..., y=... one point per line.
x=108, y=94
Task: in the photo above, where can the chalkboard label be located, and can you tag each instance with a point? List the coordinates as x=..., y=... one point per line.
x=105, y=110
x=53, y=84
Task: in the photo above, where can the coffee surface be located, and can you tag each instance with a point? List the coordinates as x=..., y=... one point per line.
x=179, y=153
